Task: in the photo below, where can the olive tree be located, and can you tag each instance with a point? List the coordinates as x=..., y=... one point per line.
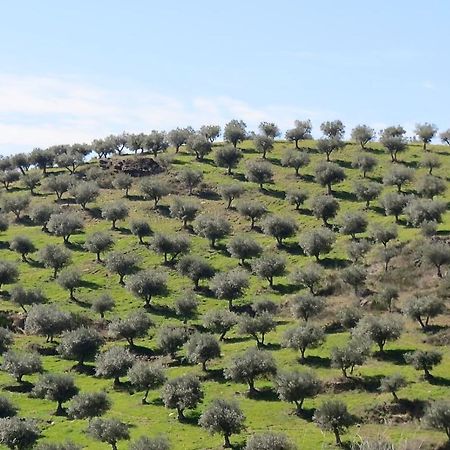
x=269, y=266
x=306, y=306
x=430, y=162
x=219, y=321
x=230, y=192
x=263, y=144
x=429, y=186
x=393, y=144
x=199, y=145
x=56, y=387
x=228, y=157
x=156, y=142
x=424, y=360
x=253, y=210
x=154, y=189
x=437, y=416
x=31, y=180
x=42, y=159
x=394, y=204
x=365, y=163
x=115, y=211
x=147, y=284
x=302, y=337
x=224, y=417
x=85, y=192
x=392, y=384
x=150, y=443
x=211, y=132
x=259, y=172
x=269, y=441
x=135, y=325
x=317, y=241
x=141, y=229
x=173, y=245
x=235, y=131
x=363, y=134
x=48, y=321
x=425, y=132
x=113, y=363
x=70, y=279
x=102, y=304
x=196, y=268
x=324, y=207
x=40, y=214
x=421, y=210
x=9, y=273
x=327, y=174
x=19, y=364
x=186, y=306
x=178, y=137
x=309, y=276
x=123, y=181
x=333, y=415
x=295, y=387
x=301, y=131
x=81, y=345
x=16, y=204
x=212, y=227
x=146, y=376
x=295, y=159
x=257, y=327
x=26, y=297
x=367, y=191
x=65, y=224
x=59, y=184
x=296, y=197
x=22, y=245
x=437, y=254
x=8, y=177
x=55, y=257
x=423, y=309
x=108, y=430
x=350, y=355
x=279, y=227
x=201, y=348
x=18, y=433
x=328, y=145
x=190, y=178
x=230, y=285
x=182, y=393
x=97, y=243
x=171, y=339
x=121, y=263
x=88, y=405
x=184, y=209
x=249, y=366
x=244, y=247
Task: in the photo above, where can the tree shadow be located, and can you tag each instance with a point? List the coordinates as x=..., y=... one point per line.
x=84, y=369
x=317, y=361
x=209, y=194
x=285, y=289
x=135, y=198
x=439, y=381
x=306, y=414
x=4, y=245
x=274, y=193
x=163, y=210
x=90, y=285
x=140, y=350
x=271, y=347
x=334, y=263
x=95, y=212
x=344, y=195
x=293, y=248
x=24, y=387
x=395, y=356
x=265, y=394
x=343, y=163
x=123, y=230
x=162, y=310
x=214, y=375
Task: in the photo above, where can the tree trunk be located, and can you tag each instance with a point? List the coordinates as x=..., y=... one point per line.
x=59, y=409
x=204, y=366
x=337, y=437
x=394, y=394
x=114, y=445
x=144, y=399
x=251, y=388
x=226, y=443
x=113, y=226
x=180, y=414
x=230, y=304
x=330, y=192
x=99, y=260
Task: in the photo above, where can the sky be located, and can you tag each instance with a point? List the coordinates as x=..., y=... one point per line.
x=75, y=71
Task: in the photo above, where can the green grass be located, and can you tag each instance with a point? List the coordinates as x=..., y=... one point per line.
x=266, y=413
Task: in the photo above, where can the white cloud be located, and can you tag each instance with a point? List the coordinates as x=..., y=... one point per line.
x=42, y=111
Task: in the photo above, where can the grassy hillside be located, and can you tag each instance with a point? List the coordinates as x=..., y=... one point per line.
x=266, y=412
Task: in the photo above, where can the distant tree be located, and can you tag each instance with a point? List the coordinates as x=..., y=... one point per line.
x=328, y=145
x=135, y=325
x=115, y=211
x=306, y=306
x=65, y=224
x=235, y=132
x=301, y=131
x=121, y=263
x=302, y=337
x=113, y=363
x=244, y=247
x=117, y=142
x=420, y=210
x=16, y=204
x=349, y=316
x=324, y=207
x=259, y=172
x=230, y=192
x=146, y=376
x=9, y=273
x=8, y=177
x=186, y=306
x=295, y=387
x=430, y=186
x=333, y=130
x=140, y=228
x=251, y=209
x=202, y=347
x=353, y=223
x=295, y=159
x=438, y=255
x=424, y=360
x=227, y=157
x=381, y=329
x=108, y=430
x=269, y=441
x=398, y=176
x=309, y=276
x=103, y=304
x=123, y=181
x=249, y=366
x=263, y=144
x=179, y=137
x=196, y=268
x=56, y=387
x=70, y=160
x=211, y=132
x=97, y=243
x=102, y=147
x=19, y=364
x=327, y=174
x=182, y=393
x=392, y=384
x=367, y=191
x=171, y=339
x=22, y=245
x=347, y=357
x=365, y=163
x=219, y=321
x=184, y=209
x=333, y=416
x=47, y=320
x=173, y=245
x=154, y=189
x=190, y=178
x=257, y=327
x=81, y=345
x=88, y=405
x=224, y=417
x=42, y=159
x=150, y=443
x=430, y=162
x=212, y=227
x=199, y=145
x=437, y=416
x=383, y=234
x=135, y=142
x=387, y=297
x=31, y=181
x=41, y=213
x=229, y=285
x=363, y=134
x=393, y=204
x=59, y=184
x=423, y=309
x=85, y=192
x=147, y=284
x=425, y=132
x=70, y=279
x=269, y=266
x=55, y=257
x=24, y=297
x=317, y=241
x=17, y=433
x=269, y=129
x=156, y=142
x=4, y=222
x=296, y=197
x=279, y=227
x=21, y=161
x=357, y=250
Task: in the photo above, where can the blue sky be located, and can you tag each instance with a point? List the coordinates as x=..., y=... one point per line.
x=72, y=71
